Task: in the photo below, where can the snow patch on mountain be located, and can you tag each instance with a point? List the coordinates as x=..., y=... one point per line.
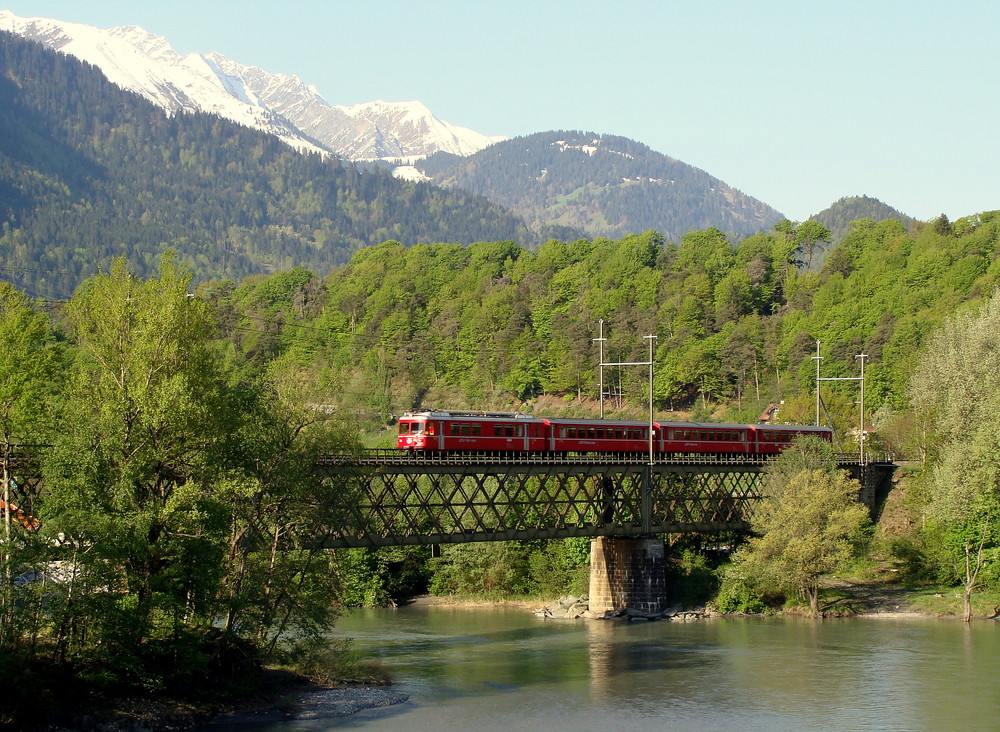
x=280, y=104
x=137, y=60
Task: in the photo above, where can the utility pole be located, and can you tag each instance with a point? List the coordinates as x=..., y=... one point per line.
x=862, y=357
x=651, y=338
x=817, y=358
x=601, y=341
x=649, y=364
x=861, y=378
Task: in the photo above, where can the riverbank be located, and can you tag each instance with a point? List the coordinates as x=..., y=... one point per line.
x=311, y=703
x=282, y=697
x=842, y=598
x=286, y=697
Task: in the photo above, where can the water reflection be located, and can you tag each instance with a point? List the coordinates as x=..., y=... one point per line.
x=506, y=669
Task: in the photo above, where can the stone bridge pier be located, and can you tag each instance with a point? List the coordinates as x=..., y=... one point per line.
x=627, y=573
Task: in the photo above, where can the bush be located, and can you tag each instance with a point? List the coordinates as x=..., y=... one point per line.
x=382, y=577
x=739, y=594
x=561, y=567
x=692, y=579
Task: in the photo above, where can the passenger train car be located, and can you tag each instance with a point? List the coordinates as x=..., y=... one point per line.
x=459, y=431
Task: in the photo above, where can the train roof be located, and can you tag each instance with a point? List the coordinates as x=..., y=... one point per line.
x=467, y=414
x=473, y=414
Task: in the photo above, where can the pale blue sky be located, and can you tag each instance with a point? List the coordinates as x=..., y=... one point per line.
x=794, y=102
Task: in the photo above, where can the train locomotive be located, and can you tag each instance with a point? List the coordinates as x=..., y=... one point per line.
x=446, y=432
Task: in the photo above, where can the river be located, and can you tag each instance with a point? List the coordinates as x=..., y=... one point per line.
x=505, y=669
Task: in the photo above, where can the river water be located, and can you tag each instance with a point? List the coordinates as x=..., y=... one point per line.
x=505, y=669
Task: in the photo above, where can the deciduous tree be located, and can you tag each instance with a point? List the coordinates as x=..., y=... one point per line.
x=807, y=525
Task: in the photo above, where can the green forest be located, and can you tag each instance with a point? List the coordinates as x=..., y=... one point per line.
x=175, y=425
x=191, y=313
x=89, y=172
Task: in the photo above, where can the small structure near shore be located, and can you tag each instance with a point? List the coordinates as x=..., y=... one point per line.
x=571, y=608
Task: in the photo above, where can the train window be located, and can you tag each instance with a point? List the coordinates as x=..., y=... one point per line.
x=600, y=433
x=619, y=433
x=477, y=430
x=404, y=428
x=591, y=433
x=431, y=428
x=498, y=430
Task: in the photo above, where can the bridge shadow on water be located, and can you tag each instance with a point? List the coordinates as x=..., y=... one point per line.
x=463, y=661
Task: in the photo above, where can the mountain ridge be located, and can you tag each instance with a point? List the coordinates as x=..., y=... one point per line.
x=604, y=185
x=90, y=172
x=280, y=104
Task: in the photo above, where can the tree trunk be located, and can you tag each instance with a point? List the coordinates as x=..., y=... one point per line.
x=813, y=592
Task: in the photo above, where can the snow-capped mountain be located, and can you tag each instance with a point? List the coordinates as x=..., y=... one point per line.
x=280, y=104
x=368, y=131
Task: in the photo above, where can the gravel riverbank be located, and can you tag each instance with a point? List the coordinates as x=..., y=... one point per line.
x=313, y=703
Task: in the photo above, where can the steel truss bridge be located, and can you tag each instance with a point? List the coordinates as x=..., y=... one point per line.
x=398, y=499
x=389, y=498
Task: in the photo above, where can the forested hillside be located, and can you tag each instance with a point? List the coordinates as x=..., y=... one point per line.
x=841, y=213
x=177, y=435
x=495, y=325
x=603, y=185
x=88, y=172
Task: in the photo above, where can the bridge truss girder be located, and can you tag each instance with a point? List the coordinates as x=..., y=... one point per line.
x=392, y=505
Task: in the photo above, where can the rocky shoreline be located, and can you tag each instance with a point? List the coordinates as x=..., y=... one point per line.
x=312, y=704
x=299, y=702
x=569, y=607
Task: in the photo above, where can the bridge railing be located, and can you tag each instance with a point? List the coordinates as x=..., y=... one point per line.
x=389, y=456
x=392, y=456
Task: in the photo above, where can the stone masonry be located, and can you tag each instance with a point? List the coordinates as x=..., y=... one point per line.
x=627, y=573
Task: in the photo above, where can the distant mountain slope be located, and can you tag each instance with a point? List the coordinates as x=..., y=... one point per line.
x=279, y=104
x=838, y=216
x=89, y=171
x=601, y=184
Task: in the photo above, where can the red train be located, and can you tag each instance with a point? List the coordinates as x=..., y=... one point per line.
x=443, y=432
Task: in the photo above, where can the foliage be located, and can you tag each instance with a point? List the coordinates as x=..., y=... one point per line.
x=382, y=577
x=501, y=570
x=89, y=171
x=808, y=524
x=839, y=216
x=336, y=663
x=955, y=389
x=693, y=579
x=739, y=594
x=175, y=495
x=29, y=383
x=493, y=570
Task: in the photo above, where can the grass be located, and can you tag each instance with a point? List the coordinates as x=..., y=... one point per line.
x=340, y=664
x=947, y=601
